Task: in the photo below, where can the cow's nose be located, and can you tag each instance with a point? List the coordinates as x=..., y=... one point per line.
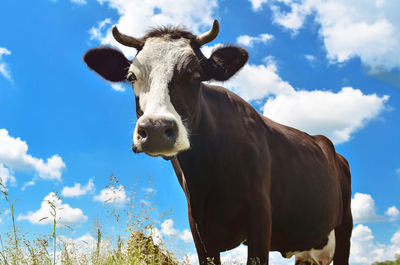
x=157, y=134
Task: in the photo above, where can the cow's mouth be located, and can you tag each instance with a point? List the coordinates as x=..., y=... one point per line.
x=167, y=157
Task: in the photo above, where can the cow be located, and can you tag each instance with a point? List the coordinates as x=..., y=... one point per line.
x=246, y=178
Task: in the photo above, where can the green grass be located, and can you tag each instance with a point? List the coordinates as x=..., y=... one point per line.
x=389, y=262
x=135, y=246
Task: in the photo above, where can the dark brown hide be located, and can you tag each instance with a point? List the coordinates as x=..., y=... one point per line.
x=249, y=179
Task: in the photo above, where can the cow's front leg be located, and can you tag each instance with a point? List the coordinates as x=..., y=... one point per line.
x=206, y=257
x=259, y=232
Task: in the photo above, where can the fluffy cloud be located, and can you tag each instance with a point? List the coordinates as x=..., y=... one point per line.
x=65, y=213
x=78, y=190
x=255, y=82
x=83, y=245
x=195, y=15
x=156, y=235
x=239, y=256
x=368, y=29
x=79, y=2
x=365, y=251
x=112, y=195
x=249, y=41
x=168, y=229
x=363, y=209
x=117, y=87
x=6, y=175
x=28, y=184
x=315, y=112
x=4, y=69
x=14, y=155
x=257, y=4
x=186, y=236
x=326, y=112
x=393, y=213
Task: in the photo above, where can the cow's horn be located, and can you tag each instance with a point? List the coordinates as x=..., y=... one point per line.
x=210, y=35
x=125, y=39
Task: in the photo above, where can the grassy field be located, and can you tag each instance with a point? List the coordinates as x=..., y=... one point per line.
x=135, y=247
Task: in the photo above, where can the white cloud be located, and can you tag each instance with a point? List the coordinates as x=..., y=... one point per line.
x=186, y=236
x=117, y=87
x=393, y=213
x=239, y=256
x=149, y=190
x=255, y=82
x=112, y=195
x=4, y=69
x=65, y=213
x=315, y=112
x=310, y=58
x=195, y=15
x=13, y=154
x=190, y=259
x=293, y=20
x=326, y=112
x=84, y=245
x=167, y=228
x=96, y=32
x=85, y=242
x=363, y=209
x=249, y=41
x=396, y=240
x=28, y=184
x=78, y=190
x=4, y=51
x=208, y=49
x=79, y=2
x=235, y=256
x=156, y=235
x=257, y=4
x=365, y=251
x=367, y=29
x=6, y=175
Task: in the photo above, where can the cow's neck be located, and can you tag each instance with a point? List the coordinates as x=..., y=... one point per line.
x=203, y=132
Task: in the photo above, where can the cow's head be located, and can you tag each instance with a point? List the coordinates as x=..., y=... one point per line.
x=166, y=75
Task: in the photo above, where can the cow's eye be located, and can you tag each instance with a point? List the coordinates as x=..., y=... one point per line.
x=131, y=77
x=196, y=76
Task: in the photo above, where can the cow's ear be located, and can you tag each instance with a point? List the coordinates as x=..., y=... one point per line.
x=110, y=63
x=224, y=62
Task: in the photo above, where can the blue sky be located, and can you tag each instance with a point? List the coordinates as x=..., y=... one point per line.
x=322, y=66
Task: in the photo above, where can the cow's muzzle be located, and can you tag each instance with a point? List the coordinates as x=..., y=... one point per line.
x=155, y=136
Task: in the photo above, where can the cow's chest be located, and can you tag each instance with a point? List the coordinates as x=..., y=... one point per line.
x=220, y=219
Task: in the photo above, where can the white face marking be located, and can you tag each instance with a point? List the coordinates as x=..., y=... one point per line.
x=154, y=68
x=322, y=256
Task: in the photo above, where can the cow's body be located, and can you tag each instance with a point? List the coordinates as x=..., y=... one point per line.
x=228, y=181
x=246, y=178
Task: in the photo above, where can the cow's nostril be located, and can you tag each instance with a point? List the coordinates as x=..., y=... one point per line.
x=142, y=133
x=169, y=133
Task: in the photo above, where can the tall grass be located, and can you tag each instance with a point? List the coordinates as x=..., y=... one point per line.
x=134, y=246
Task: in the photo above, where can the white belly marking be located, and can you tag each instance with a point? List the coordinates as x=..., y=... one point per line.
x=322, y=256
